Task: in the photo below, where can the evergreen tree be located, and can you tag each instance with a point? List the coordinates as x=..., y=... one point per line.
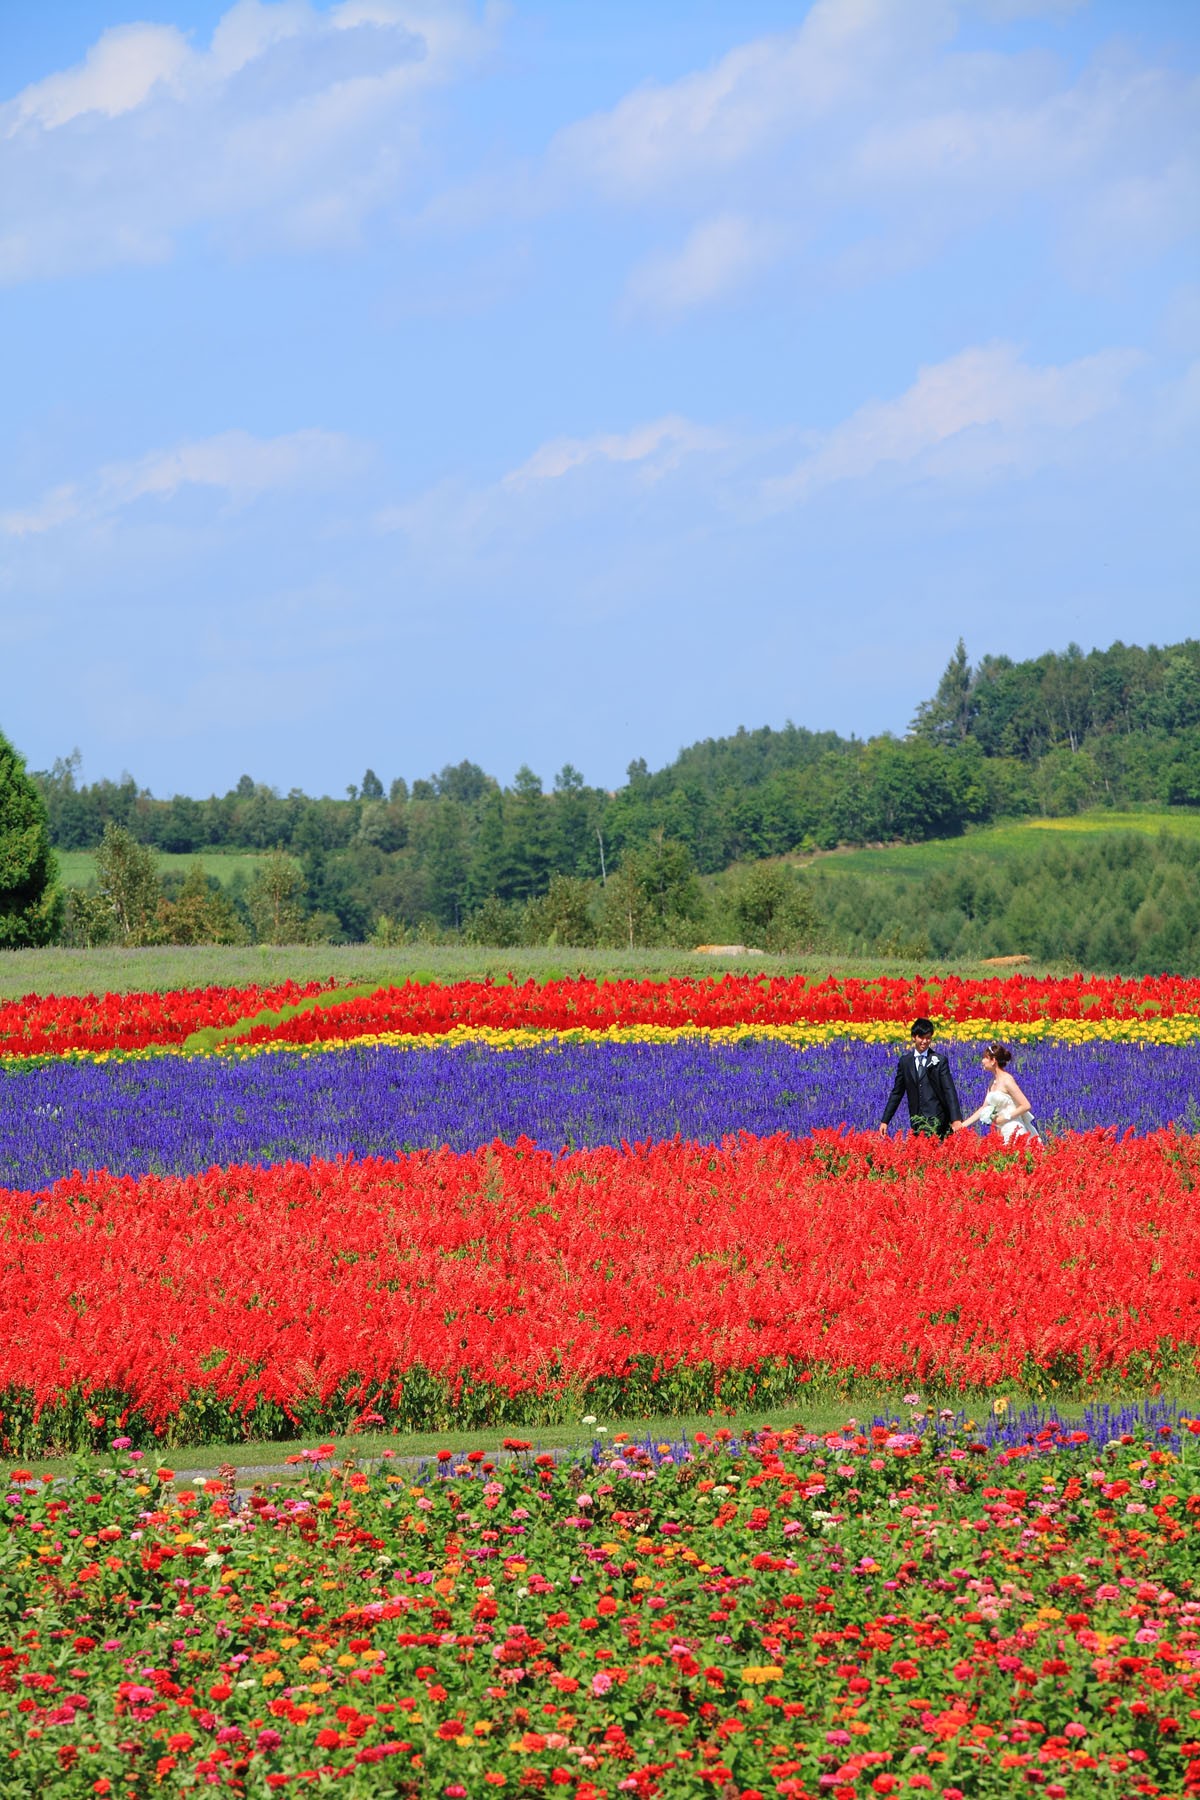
x=31, y=902
x=946, y=719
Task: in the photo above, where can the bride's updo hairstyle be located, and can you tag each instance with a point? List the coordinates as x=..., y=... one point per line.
x=1001, y=1054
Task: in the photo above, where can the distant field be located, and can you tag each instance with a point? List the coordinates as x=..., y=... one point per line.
x=1000, y=841
x=58, y=971
x=78, y=867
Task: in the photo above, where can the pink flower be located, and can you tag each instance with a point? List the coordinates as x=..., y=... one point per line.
x=121, y=1443
x=601, y=1683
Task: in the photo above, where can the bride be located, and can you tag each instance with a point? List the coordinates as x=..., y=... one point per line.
x=1004, y=1105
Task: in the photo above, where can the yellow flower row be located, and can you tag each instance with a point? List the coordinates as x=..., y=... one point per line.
x=1070, y=1031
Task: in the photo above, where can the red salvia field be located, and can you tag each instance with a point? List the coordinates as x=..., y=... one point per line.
x=654, y=1274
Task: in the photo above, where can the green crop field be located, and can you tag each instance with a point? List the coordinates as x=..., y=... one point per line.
x=77, y=868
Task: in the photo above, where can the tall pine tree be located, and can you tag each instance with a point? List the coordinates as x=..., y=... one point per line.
x=31, y=901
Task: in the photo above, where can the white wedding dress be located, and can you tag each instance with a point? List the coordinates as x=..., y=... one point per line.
x=1000, y=1110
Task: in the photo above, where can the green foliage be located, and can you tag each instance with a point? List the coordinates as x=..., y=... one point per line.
x=274, y=901
x=562, y=915
x=774, y=910
x=653, y=898
x=31, y=903
x=128, y=888
x=201, y=913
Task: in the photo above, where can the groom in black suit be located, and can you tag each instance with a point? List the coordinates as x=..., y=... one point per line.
x=923, y=1079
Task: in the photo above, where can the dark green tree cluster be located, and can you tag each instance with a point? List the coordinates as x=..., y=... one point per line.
x=459, y=852
x=131, y=904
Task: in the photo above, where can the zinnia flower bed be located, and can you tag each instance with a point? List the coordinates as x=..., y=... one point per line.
x=513, y=1284
x=872, y=1612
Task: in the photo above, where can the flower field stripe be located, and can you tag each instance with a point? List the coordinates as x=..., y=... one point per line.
x=1181, y=1030
x=60, y=1025
x=782, y=1617
x=179, y=1116
x=56, y=1024
x=477, y=1286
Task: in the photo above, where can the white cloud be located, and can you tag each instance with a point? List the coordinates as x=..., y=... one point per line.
x=718, y=256
x=120, y=72
x=234, y=463
x=563, y=481
x=658, y=446
x=291, y=127
x=716, y=118
x=982, y=412
x=870, y=120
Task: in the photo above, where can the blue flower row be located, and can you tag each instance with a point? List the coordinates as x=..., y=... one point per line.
x=171, y=1115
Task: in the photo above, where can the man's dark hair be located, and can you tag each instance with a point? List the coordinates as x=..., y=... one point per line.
x=922, y=1028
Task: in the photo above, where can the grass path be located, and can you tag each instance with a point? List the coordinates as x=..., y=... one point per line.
x=265, y=1460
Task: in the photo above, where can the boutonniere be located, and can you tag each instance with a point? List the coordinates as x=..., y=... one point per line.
x=933, y=1062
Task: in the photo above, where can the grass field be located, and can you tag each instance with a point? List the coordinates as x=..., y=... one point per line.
x=1001, y=842
x=59, y=971
x=77, y=868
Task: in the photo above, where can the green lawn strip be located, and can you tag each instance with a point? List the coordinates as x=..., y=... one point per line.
x=267, y=1459
x=209, y=1036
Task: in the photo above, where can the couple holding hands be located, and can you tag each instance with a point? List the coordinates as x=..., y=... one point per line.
x=923, y=1078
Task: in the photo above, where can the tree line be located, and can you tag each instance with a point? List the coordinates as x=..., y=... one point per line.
x=460, y=853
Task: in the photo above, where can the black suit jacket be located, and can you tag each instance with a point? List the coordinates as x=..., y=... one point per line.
x=932, y=1096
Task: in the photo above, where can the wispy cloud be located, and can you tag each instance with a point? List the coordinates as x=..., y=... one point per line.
x=657, y=447
x=874, y=119
x=984, y=412
x=984, y=416
x=718, y=257
x=764, y=91
x=292, y=126
x=575, y=474
x=233, y=463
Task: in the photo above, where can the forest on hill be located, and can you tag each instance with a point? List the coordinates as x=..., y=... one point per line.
x=457, y=852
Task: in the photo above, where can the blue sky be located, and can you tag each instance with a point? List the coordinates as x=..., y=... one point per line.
x=388, y=382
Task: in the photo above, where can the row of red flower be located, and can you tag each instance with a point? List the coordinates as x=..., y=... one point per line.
x=51, y=1025
x=483, y=1285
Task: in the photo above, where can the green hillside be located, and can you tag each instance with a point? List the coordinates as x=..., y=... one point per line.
x=1106, y=891
x=1001, y=843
